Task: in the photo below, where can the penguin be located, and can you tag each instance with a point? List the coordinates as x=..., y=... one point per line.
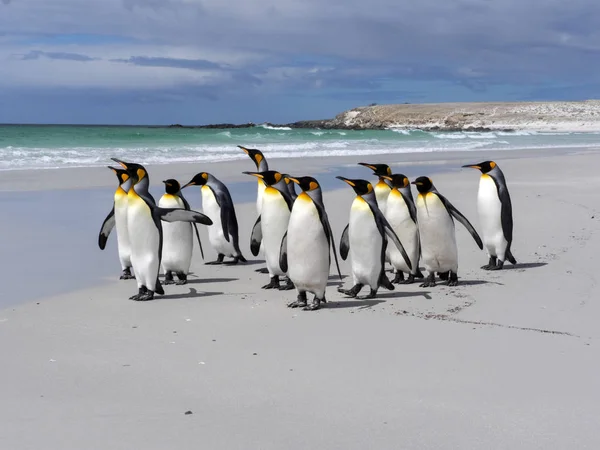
x=178, y=241
x=305, y=253
x=290, y=185
x=383, y=186
x=271, y=226
x=495, y=214
x=144, y=222
x=218, y=205
x=261, y=166
x=401, y=213
x=117, y=217
x=436, y=229
x=365, y=237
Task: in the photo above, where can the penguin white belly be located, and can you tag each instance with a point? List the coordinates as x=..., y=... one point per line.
x=307, y=248
x=398, y=215
x=365, y=245
x=144, y=238
x=438, y=239
x=216, y=237
x=122, y=231
x=382, y=192
x=490, y=217
x=177, y=239
x=275, y=217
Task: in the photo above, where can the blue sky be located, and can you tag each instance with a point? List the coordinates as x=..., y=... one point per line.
x=212, y=61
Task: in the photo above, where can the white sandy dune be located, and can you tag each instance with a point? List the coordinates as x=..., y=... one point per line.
x=506, y=360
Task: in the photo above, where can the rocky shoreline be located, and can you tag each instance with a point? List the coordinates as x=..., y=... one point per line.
x=507, y=116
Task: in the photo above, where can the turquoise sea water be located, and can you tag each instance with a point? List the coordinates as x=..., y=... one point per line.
x=54, y=146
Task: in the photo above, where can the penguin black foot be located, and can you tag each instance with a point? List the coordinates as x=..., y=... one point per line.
x=386, y=283
x=287, y=286
x=316, y=304
x=169, y=278
x=410, y=279
x=141, y=291
x=429, y=281
x=182, y=278
x=219, y=260
x=371, y=294
x=491, y=265
x=443, y=275
x=419, y=274
x=300, y=301
x=148, y=295
x=274, y=284
x=453, y=281
x=126, y=274
x=263, y=270
x=399, y=278
x=353, y=292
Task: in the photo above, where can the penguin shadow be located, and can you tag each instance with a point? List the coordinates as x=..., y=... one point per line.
x=251, y=262
x=334, y=280
x=462, y=282
x=364, y=303
x=210, y=280
x=403, y=294
x=524, y=266
x=193, y=293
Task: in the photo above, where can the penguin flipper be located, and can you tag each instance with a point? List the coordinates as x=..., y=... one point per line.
x=187, y=207
x=345, y=243
x=225, y=210
x=283, y=263
x=181, y=215
x=107, y=226
x=256, y=237
x=386, y=230
x=506, y=213
x=462, y=219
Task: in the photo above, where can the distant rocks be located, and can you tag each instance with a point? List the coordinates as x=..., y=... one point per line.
x=506, y=116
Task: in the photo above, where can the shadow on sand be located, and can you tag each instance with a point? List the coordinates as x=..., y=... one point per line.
x=192, y=294
x=524, y=266
x=211, y=280
x=364, y=303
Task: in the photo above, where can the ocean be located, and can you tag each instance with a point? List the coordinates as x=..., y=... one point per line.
x=57, y=146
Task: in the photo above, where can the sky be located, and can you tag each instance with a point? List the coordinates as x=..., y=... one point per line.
x=238, y=61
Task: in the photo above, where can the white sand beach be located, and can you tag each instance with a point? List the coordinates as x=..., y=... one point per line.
x=507, y=359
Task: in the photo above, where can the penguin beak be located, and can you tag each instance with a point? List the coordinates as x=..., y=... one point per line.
x=244, y=148
x=124, y=164
x=385, y=177
x=370, y=166
x=346, y=180
x=191, y=183
x=472, y=166
x=294, y=180
x=417, y=183
x=254, y=174
x=113, y=169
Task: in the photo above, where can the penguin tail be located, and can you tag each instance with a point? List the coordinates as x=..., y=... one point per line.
x=510, y=257
x=159, y=289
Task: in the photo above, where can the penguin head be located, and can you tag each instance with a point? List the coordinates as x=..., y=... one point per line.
x=172, y=186
x=136, y=172
x=424, y=184
x=485, y=166
x=269, y=177
x=122, y=174
x=307, y=184
x=361, y=187
x=254, y=154
x=200, y=179
x=378, y=169
x=398, y=180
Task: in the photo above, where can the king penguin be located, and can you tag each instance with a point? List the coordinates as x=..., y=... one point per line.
x=178, y=241
x=261, y=164
x=436, y=229
x=117, y=217
x=218, y=205
x=383, y=186
x=495, y=214
x=365, y=237
x=144, y=222
x=401, y=213
x=305, y=250
x=271, y=225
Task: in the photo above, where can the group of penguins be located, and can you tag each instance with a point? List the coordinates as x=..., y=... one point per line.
x=294, y=234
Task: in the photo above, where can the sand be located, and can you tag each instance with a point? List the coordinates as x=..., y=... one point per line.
x=505, y=360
